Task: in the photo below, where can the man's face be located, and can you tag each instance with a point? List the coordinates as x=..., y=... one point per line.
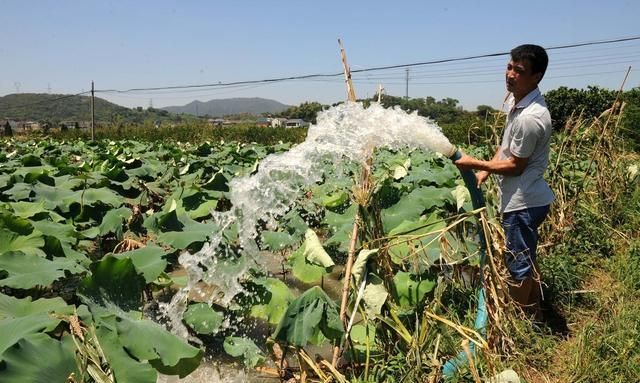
x=520, y=78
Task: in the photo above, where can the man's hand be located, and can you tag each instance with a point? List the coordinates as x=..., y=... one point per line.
x=481, y=176
x=465, y=162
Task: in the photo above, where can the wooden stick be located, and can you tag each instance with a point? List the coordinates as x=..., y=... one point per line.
x=346, y=284
x=351, y=93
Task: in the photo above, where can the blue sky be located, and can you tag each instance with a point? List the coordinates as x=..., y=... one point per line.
x=61, y=46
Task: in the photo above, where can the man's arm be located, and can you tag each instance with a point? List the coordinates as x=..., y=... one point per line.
x=511, y=166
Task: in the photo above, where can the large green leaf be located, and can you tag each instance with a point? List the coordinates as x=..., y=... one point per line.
x=91, y=197
x=360, y=263
x=303, y=270
x=245, y=348
x=314, y=252
x=24, y=271
x=310, y=262
x=114, y=281
x=125, y=368
x=167, y=353
x=64, y=232
x=29, y=244
x=375, y=294
x=27, y=209
x=410, y=289
x=309, y=314
x=335, y=199
x=217, y=182
x=21, y=317
x=114, y=220
x=204, y=209
x=38, y=358
x=192, y=232
x=411, y=206
x=15, y=224
x=54, y=197
x=416, y=242
x=277, y=240
x=202, y=318
x=149, y=261
x=19, y=191
x=341, y=225
x=275, y=302
x=11, y=308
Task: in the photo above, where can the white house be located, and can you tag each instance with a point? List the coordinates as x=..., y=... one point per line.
x=296, y=123
x=278, y=122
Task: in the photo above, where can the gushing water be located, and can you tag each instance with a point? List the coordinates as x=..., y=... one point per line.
x=348, y=131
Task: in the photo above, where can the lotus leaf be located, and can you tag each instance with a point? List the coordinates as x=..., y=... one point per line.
x=24, y=361
x=146, y=340
x=245, y=348
x=410, y=289
x=275, y=304
x=311, y=313
x=113, y=281
x=29, y=244
x=202, y=318
x=149, y=261
x=25, y=271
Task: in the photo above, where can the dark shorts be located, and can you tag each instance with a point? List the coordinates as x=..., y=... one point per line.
x=521, y=231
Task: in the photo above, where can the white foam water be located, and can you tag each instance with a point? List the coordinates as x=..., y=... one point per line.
x=347, y=131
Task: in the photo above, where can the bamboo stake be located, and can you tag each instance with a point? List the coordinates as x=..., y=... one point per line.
x=351, y=93
x=346, y=284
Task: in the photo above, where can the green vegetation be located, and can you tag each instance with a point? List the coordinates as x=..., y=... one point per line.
x=91, y=232
x=197, y=131
x=56, y=108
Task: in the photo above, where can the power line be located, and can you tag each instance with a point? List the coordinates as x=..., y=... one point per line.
x=329, y=75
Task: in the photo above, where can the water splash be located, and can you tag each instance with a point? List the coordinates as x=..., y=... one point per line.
x=347, y=131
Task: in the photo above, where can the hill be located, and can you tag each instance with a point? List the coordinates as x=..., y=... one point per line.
x=229, y=106
x=60, y=107
x=35, y=106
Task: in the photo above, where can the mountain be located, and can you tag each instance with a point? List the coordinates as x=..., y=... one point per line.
x=228, y=106
x=56, y=107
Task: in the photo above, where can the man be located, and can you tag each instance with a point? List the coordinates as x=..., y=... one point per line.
x=520, y=163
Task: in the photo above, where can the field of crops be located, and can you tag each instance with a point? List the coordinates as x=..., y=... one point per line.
x=92, y=232
x=99, y=238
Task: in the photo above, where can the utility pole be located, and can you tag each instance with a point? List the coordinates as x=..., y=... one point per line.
x=406, y=89
x=93, y=114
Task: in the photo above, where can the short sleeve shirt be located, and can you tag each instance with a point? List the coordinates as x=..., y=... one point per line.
x=527, y=135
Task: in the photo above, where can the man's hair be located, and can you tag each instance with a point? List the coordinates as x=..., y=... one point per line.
x=535, y=54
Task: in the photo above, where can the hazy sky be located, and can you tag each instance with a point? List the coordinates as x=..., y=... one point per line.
x=61, y=46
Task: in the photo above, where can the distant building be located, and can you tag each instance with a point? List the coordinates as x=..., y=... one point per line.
x=263, y=122
x=278, y=122
x=215, y=122
x=296, y=123
x=28, y=126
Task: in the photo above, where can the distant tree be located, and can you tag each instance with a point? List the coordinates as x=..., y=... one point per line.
x=630, y=127
x=564, y=102
x=307, y=111
x=483, y=111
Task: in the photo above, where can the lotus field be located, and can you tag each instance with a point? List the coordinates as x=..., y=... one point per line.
x=92, y=234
